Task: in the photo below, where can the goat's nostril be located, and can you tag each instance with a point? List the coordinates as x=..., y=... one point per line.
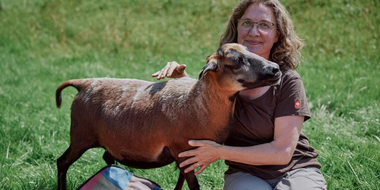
x=275, y=70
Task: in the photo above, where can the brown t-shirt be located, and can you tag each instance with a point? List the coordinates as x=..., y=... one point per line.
x=253, y=124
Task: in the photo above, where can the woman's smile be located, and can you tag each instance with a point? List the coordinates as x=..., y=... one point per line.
x=253, y=42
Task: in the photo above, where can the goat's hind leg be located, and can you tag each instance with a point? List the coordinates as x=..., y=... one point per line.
x=71, y=155
x=63, y=164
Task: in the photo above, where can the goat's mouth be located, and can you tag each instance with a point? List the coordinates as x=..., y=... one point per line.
x=272, y=81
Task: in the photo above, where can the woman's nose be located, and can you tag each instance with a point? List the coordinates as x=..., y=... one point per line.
x=254, y=31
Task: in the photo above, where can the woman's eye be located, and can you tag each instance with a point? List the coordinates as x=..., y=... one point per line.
x=264, y=25
x=247, y=23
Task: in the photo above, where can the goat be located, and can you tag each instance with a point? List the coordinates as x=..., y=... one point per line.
x=145, y=124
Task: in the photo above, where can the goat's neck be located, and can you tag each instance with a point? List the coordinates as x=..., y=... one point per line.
x=217, y=101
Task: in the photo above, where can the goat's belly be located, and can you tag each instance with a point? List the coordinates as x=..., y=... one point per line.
x=143, y=158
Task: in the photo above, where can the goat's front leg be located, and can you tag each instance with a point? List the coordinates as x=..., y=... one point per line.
x=61, y=181
x=191, y=180
x=180, y=181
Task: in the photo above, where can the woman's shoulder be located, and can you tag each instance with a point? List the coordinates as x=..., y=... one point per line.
x=290, y=80
x=289, y=74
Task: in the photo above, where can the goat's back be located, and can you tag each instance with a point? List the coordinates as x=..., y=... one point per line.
x=137, y=104
x=123, y=98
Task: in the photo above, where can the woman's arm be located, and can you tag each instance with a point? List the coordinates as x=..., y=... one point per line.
x=171, y=70
x=278, y=152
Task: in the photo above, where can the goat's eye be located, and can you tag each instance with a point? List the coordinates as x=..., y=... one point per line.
x=235, y=63
x=233, y=67
x=234, y=59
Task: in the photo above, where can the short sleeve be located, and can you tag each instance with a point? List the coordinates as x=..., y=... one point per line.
x=291, y=98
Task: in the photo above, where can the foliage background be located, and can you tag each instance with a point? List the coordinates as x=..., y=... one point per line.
x=44, y=43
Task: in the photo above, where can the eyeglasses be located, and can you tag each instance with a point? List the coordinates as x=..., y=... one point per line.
x=246, y=25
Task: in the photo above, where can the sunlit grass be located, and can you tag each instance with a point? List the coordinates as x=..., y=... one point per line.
x=44, y=43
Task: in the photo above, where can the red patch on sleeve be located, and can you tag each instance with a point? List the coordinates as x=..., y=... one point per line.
x=297, y=104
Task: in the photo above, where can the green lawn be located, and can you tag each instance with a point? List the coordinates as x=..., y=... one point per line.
x=44, y=43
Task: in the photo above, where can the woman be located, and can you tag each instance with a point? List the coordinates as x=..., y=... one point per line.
x=266, y=149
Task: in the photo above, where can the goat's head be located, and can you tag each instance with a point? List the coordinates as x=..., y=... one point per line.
x=239, y=69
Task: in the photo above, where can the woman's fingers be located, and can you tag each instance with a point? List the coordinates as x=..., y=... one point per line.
x=194, y=166
x=201, y=169
x=155, y=74
x=164, y=71
x=180, y=68
x=188, y=161
x=171, y=69
x=187, y=153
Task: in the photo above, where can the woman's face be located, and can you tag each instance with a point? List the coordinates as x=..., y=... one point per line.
x=259, y=39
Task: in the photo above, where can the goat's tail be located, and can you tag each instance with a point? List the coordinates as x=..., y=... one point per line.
x=73, y=83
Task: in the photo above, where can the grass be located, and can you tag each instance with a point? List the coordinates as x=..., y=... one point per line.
x=46, y=42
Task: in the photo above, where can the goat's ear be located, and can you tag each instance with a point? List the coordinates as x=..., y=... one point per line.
x=220, y=51
x=210, y=66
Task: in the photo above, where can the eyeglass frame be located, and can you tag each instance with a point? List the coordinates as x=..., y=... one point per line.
x=256, y=23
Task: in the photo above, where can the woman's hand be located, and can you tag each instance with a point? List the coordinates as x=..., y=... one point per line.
x=204, y=155
x=171, y=70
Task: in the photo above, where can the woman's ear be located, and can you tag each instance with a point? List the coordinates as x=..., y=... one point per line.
x=277, y=37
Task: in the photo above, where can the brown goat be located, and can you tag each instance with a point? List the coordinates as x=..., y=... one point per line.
x=144, y=124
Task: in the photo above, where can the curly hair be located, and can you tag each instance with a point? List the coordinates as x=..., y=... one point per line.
x=285, y=52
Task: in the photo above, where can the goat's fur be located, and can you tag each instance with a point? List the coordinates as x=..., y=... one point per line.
x=144, y=124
